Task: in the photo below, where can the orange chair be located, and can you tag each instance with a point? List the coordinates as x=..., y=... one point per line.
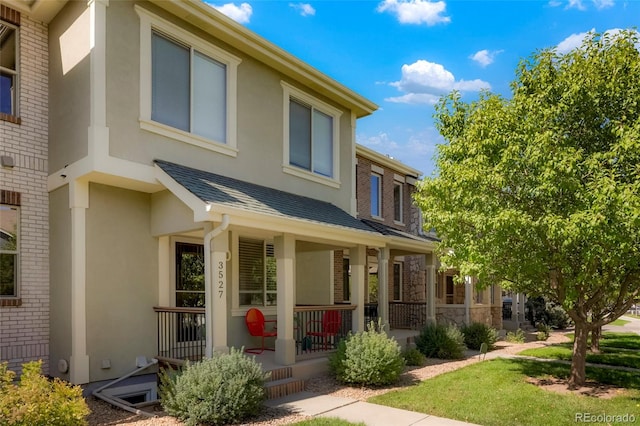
x=257, y=327
x=328, y=327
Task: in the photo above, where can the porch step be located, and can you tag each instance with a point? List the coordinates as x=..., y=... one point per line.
x=280, y=373
x=283, y=387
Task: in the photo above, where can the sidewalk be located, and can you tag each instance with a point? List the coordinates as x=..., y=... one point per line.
x=352, y=410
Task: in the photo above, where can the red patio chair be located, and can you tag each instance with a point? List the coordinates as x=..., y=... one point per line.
x=325, y=329
x=256, y=324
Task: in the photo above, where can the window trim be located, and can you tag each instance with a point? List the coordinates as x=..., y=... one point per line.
x=15, y=299
x=379, y=204
x=289, y=92
x=15, y=116
x=238, y=310
x=150, y=22
x=174, y=240
x=400, y=201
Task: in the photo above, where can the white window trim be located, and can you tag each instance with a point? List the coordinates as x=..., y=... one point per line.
x=380, y=216
x=401, y=280
x=401, y=185
x=148, y=22
x=236, y=309
x=16, y=73
x=17, y=254
x=291, y=92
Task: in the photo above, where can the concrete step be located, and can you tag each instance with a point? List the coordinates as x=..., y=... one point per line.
x=283, y=387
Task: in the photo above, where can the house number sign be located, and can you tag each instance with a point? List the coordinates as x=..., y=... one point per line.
x=221, y=279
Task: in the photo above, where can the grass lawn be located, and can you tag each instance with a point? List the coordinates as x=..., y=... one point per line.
x=617, y=340
x=632, y=316
x=620, y=322
x=496, y=393
x=327, y=421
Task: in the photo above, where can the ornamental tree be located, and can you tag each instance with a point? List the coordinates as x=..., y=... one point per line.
x=541, y=192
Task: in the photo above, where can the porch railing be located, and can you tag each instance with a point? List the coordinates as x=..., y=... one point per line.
x=181, y=333
x=411, y=315
x=320, y=328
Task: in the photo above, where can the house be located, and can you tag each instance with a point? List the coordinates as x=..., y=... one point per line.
x=24, y=231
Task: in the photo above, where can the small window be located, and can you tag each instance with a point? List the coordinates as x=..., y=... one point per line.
x=450, y=289
x=397, y=202
x=190, y=291
x=8, y=70
x=346, y=280
x=257, y=273
x=397, y=281
x=9, y=251
x=376, y=195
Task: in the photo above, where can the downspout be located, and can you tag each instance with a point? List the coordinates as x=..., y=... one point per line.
x=224, y=224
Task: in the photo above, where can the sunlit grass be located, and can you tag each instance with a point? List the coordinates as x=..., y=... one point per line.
x=327, y=421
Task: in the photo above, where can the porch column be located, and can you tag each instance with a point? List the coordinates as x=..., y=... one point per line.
x=216, y=249
x=79, y=360
x=468, y=293
x=358, y=259
x=285, y=252
x=383, y=286
x=431, y=287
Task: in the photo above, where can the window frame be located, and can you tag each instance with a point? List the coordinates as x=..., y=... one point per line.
x=16, y=253
x=149, y=23
x=378, y=205
x=238, y=309
x=398, y=202
x=399, y=284
x=288, y=93
x=14, y=116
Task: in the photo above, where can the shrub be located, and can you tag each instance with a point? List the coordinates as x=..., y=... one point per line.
x=38, y=401
x=477, y=333
x=367, y=358
x=224, y=389
x=517, y=337
x=557, y=317
x=441, y=341
x=541, y=312
x=413, y=356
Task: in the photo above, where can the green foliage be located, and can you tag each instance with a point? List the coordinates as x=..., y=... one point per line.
x=543, y=332
x=557, y=317
x=38, y=401
x=515, y=337
x=441, y=341
x=412, y=356
x=477, y=333
x=224, y=389
x=367, y=358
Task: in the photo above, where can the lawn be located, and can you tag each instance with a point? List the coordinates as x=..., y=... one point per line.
x=496, y=393
x=617, y=340
x=327, y=421
x=620, y=322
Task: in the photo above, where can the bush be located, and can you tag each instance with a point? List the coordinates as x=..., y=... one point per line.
x=224, y=389
x=557, y=317
x=413, y=356
x=478, y=333
x=541, y=312
x=441, y=341
x=517, y=337
x=38, y=401
x=367, y=358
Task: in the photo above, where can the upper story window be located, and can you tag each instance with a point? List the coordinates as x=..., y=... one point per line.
x=9, y=72
x=376, y=195
x=397, y=201
x=187, y=86
x=257, y=273
x=9, y=250
x=311, y=137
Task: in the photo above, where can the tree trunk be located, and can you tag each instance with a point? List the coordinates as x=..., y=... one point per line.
x=577, y=377
x=596, y=334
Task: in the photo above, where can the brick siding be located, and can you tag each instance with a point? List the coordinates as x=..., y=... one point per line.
x=24, y=327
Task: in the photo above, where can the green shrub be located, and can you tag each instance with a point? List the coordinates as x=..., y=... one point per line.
x=413, y=356
x=224, y=389
x=477, y=333
x=557, y=317
x=441, y=341
x=38, y=401
x=367, y=358
x=517, y=337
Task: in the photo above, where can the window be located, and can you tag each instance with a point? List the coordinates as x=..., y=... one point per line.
x=346, y=280
x=397, y=202
x=188, y=86
x=376, y=195
x=397, y=281
x=311, y=137
x=9, y=254
x=449, y=283
x=8, y=70
x=189, y=275
x=257, y=273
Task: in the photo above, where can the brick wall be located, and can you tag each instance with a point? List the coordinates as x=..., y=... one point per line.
x=24, y=329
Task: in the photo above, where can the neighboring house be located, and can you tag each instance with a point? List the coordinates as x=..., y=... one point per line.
x=24, y=209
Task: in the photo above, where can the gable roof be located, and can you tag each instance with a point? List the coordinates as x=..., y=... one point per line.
x=392, y=232
x=225, y=192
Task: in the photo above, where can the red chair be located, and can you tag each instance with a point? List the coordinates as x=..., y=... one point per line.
x=328, y=327
x=257, y=327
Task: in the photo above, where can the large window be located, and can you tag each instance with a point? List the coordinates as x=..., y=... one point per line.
x=257, y=273
x=376, y=195
x=9, y=246
x=311, y=137
x=188, y=86
x=189, y=275
x=8, y=69
x=397, y=281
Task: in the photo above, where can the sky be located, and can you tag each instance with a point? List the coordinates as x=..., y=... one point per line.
x=404, y=55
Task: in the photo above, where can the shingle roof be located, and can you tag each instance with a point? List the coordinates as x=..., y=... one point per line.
x=387, y=230
x=226, y=191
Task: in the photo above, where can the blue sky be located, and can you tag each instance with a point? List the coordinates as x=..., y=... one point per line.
x=403, y=55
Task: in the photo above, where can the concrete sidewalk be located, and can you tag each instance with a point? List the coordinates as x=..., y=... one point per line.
x=352, y=410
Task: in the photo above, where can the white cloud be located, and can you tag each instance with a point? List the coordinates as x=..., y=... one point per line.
x=577, y=4
x=241, y=13
x=424, y=82
x=485, y=57
x=416, y=11
x=575, y=40
x=603, y=4
x=305, y=9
